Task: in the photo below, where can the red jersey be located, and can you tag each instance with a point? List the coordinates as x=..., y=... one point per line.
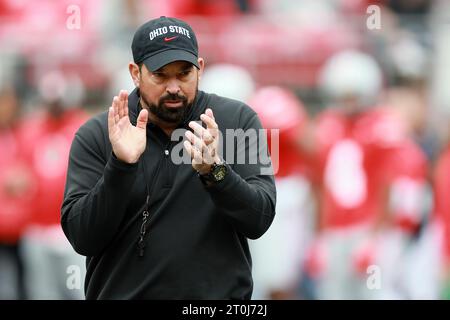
x=47, y=144
x=442, y=198
x=408, y=186
x=352, y=164
x=16, y=187
x=284, y=117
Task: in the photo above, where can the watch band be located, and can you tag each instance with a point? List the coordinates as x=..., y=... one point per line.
x=215, y=175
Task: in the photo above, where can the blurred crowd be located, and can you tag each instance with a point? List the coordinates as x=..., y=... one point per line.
x=353, y=96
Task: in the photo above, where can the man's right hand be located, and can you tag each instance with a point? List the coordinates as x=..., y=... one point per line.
x=128, y=141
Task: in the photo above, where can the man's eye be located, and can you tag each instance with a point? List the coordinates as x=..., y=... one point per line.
x=186, y=72
x=158, y=75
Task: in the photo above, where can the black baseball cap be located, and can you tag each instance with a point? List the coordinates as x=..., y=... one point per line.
x=164, y=40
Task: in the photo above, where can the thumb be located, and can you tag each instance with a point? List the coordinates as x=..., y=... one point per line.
x=142, y=119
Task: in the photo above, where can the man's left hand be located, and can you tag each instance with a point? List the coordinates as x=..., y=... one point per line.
x=202, y=145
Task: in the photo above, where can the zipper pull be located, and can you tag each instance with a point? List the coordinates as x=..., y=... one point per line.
x=142, y=232
x=141, y=246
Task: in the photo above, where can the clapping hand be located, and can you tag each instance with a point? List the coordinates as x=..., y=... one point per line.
x=128, y=141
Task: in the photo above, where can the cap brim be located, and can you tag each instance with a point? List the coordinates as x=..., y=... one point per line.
x=159, y=60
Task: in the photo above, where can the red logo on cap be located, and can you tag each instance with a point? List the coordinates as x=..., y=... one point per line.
x=169, y=39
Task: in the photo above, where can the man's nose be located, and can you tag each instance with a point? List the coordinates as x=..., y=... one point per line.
x=173, y=86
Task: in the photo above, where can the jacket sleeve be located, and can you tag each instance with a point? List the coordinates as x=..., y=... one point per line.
x=247, y=195
x=94, y=198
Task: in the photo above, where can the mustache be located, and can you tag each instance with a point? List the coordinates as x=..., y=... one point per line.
x=172, y=96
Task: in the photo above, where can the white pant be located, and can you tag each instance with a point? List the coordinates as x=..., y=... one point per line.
x=53, y=270
x=278, y=255
x=407, y=269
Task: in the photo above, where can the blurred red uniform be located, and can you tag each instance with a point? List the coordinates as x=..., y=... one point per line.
x=46, y=145
x=279, y=254
x=442, y=200
x=409, y=167
x=369, y=178
x=16, y=187
x=181, y=8
x=372, y=181
x=353, y=165
x=280, y=110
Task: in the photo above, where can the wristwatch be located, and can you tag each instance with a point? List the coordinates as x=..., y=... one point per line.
x=217, y=173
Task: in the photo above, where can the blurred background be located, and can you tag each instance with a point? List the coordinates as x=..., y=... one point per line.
x=358, y=89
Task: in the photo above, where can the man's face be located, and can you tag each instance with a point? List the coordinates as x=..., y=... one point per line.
x=169, y=92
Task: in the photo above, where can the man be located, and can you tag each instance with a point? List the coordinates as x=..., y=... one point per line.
x=441, y=218
x=152, y=228
x=46, y=144
x=369, y=178
x=278, y=255
x=17, y=188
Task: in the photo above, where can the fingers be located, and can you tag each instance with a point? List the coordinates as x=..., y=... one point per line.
x=112, y=124
x=208, y=119
x=142, y=119
x=120, y=105
x=115, y=106
x=111, y=121
x=198, y=143
x=211, y=125
x=196, y=156
x=202, y=154
x=201, y=132
x=126, y=104
x=209, y=113
x=118, y=109
x=123, y=103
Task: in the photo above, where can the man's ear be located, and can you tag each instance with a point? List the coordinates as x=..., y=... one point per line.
x=201, y=64
x=135, y=73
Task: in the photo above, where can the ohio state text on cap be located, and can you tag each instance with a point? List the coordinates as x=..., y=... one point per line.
x=162, y=41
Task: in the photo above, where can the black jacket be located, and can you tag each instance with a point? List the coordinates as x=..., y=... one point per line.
x=196, y=244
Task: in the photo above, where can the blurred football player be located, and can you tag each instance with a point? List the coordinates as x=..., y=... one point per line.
x=46, y=145
x=359, y=150
x=279, y=254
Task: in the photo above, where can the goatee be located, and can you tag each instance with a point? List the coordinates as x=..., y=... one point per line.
x=166, y=114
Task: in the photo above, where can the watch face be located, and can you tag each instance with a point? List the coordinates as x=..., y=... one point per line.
x=219, y=172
